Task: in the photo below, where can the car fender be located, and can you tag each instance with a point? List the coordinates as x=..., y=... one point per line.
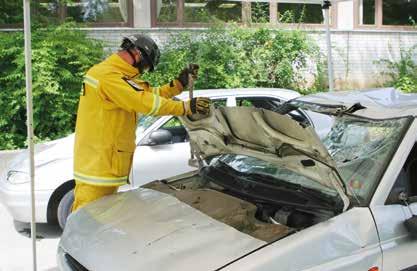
x=348, y=241
x=54, y=174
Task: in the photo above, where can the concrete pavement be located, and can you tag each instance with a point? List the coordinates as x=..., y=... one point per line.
x=15, y=241
x=16, y=245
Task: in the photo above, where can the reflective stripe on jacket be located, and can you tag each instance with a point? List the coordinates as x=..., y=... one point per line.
x=106, y=119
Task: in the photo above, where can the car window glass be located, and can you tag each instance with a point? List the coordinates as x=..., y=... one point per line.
x=144, y=122
x=174, y=125
x=269, y=104
x=259, y=102
x=219, y=103
x=406, y=180
x=171, y=123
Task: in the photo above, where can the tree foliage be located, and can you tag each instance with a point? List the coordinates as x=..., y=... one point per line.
x=239, y=57
x=60, y=55
x=11, y=12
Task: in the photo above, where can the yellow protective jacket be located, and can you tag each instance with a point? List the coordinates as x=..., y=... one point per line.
x=106, y=119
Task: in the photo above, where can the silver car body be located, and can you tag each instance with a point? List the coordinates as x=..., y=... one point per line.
x=144, y=229
x=54, y=163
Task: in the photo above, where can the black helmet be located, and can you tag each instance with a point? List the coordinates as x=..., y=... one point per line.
x=146, y=46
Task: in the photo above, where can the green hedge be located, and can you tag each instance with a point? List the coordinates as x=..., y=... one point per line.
x=239, y=57
x=60, y=55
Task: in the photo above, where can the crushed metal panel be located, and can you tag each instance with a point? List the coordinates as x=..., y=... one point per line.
x=268, y=136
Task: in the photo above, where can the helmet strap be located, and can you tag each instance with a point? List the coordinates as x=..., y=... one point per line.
x=132, y=56
x=140, y=65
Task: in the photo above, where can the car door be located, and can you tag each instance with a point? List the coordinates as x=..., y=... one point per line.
x=398, y=247
x=159, y=161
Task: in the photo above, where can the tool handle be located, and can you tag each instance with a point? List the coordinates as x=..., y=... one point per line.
x=191, y=94
x=190, y=82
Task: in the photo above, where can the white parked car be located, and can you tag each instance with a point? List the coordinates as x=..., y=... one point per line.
x=162, y=151
x=270, y=195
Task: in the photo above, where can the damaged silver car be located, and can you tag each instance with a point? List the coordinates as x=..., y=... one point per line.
x=270, y=194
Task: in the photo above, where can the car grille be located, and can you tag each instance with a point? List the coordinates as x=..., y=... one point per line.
x=74, y=265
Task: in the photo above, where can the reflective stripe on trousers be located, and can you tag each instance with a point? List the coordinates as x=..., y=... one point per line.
x=100, y=181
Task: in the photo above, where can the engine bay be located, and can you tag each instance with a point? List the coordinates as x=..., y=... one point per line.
x=262, y=220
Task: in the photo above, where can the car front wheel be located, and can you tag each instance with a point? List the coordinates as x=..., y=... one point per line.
x=64, y=208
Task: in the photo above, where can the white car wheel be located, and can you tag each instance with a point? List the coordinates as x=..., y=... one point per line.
x=64, y=208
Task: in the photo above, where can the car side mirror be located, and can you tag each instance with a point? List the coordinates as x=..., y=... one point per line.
x=160, y=137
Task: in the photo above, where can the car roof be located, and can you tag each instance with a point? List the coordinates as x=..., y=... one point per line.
x=283, y=93
x=380, y=103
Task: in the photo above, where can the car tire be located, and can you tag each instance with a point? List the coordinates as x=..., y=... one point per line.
x=64, y=208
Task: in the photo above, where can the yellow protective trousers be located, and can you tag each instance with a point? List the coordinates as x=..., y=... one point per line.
x=86, y=193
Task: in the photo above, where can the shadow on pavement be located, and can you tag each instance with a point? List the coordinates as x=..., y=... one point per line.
x=43, y=230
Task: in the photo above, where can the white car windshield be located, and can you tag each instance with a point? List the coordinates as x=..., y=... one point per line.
x=144, y=122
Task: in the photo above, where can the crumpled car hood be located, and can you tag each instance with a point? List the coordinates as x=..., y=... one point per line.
x=145, y=229
x=268, y=136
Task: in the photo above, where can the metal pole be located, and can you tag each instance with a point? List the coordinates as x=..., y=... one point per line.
x=326, y=5
x=191, y=96
x=29, y=110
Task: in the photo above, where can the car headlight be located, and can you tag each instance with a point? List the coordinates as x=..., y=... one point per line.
x=17, y=177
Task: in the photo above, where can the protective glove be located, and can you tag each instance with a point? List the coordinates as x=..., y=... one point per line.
x=183, y=76
x=199, y=105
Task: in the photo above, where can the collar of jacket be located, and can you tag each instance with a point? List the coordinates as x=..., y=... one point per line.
x=120, y=64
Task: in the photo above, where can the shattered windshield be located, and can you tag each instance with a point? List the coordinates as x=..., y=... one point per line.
x=361, y=149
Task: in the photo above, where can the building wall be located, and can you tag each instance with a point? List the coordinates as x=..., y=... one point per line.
x=345, y=15
x=354, y=52
x=142, y=13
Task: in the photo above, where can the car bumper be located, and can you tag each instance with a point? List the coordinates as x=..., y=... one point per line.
x=17, y=200
x=61, y=261
x=67, y=263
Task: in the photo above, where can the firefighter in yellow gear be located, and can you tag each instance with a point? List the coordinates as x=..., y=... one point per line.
x=107, y=116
